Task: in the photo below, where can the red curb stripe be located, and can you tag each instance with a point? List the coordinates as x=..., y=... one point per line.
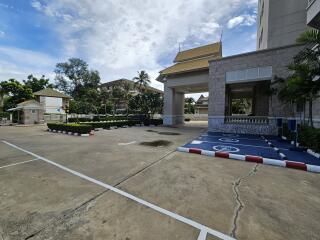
x=296, y=165
x=255, y=159
x=221, y=154
x=195, y=150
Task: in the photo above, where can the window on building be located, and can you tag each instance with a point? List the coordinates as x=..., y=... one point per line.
x=261, y=13
x=33, y=111
x=261, y=38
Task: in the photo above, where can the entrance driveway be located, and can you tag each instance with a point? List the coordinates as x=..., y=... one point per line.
x=55, y=186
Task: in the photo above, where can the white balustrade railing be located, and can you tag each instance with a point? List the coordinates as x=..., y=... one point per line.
x=246, y=120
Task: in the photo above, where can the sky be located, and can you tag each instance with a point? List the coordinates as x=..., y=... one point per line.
x=117, y=37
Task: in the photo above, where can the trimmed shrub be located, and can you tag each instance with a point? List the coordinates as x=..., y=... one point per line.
x=156, y=122
x=70, y=127
x=307, y=136
x=98, y=119
x=4, y=115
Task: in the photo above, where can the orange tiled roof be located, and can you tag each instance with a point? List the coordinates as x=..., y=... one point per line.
x=203, y=51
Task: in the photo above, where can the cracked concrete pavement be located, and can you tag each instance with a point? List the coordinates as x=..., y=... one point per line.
x=246, y=200
x=240, y=204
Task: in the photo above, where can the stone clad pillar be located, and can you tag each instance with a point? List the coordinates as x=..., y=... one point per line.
x=217, y=97
x=173, y=109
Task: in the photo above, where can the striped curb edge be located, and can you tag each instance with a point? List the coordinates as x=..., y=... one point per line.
x=255, y=159
x=282, y=155
x=309, y=150
x=71, y=133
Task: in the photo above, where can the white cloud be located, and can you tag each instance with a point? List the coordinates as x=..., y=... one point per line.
x=119, y=38
x=37, y=5
x=18, y=63
x=242, y=20
x=2, y=34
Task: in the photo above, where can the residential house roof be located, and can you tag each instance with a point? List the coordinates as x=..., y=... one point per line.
x=132, y=83
x=29, y=104
x=49, y=92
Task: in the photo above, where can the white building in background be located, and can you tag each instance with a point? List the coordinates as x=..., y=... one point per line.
x=52, y=101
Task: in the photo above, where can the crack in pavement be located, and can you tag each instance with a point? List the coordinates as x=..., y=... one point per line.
x=73, y=211
x=240, y=204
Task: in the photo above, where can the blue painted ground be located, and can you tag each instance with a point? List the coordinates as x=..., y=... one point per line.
x=294, y=155
x=245, y=144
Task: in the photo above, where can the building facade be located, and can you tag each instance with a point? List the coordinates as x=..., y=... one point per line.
x=280, y=22
x=201, y=105
x=27, y=112
x=52, y=101
x=248, y=76
x=313, y=13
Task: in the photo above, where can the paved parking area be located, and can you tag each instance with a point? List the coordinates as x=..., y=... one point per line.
x=110, y=186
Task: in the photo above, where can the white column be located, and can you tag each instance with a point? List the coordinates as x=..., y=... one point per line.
x=173, y=106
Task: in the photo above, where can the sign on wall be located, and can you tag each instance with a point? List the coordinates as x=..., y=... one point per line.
x=54, y=105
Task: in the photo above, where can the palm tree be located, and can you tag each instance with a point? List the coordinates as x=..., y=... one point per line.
x=307, y=63
x=142, y=80
x=310, y=37
x=127, y=87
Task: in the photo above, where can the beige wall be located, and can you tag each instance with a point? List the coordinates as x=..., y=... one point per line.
x=282, y=21
x=277, y=58
x=31, y=118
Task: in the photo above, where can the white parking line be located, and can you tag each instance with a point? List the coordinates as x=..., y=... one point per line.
x=252, y=139
x=14, y=164
x=203, y=229
x=125, y=144
x=244, y=145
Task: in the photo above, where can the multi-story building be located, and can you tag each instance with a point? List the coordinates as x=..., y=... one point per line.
x=280, y=22
x=131, y=88
x=313, y=13
x=247, y=75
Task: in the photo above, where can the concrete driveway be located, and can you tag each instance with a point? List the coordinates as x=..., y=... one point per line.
x=55, y=186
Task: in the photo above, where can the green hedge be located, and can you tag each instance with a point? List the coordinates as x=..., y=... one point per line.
x=307, y=136
x=310, y=138
x=4, y=115
x=70, y=127
x=122, y=123
x=99, y=119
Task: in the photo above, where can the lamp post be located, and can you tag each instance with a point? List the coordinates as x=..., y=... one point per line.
x=66, y=110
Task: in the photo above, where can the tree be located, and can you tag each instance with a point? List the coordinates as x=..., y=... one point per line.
x=16, y=92
x=147, y=103
x=37, y=84
x=189, y=105
x=127, y=87
x=82, y=84
x=142, y=81
x=117, y=94
x=301, y=87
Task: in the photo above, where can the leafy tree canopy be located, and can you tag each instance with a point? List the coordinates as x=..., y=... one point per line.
x=147, y=103
x=36, y=84
x=16, y=92
x=74, y=78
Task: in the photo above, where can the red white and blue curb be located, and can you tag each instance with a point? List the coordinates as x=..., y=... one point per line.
x=255, y=159
x=71, y=133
